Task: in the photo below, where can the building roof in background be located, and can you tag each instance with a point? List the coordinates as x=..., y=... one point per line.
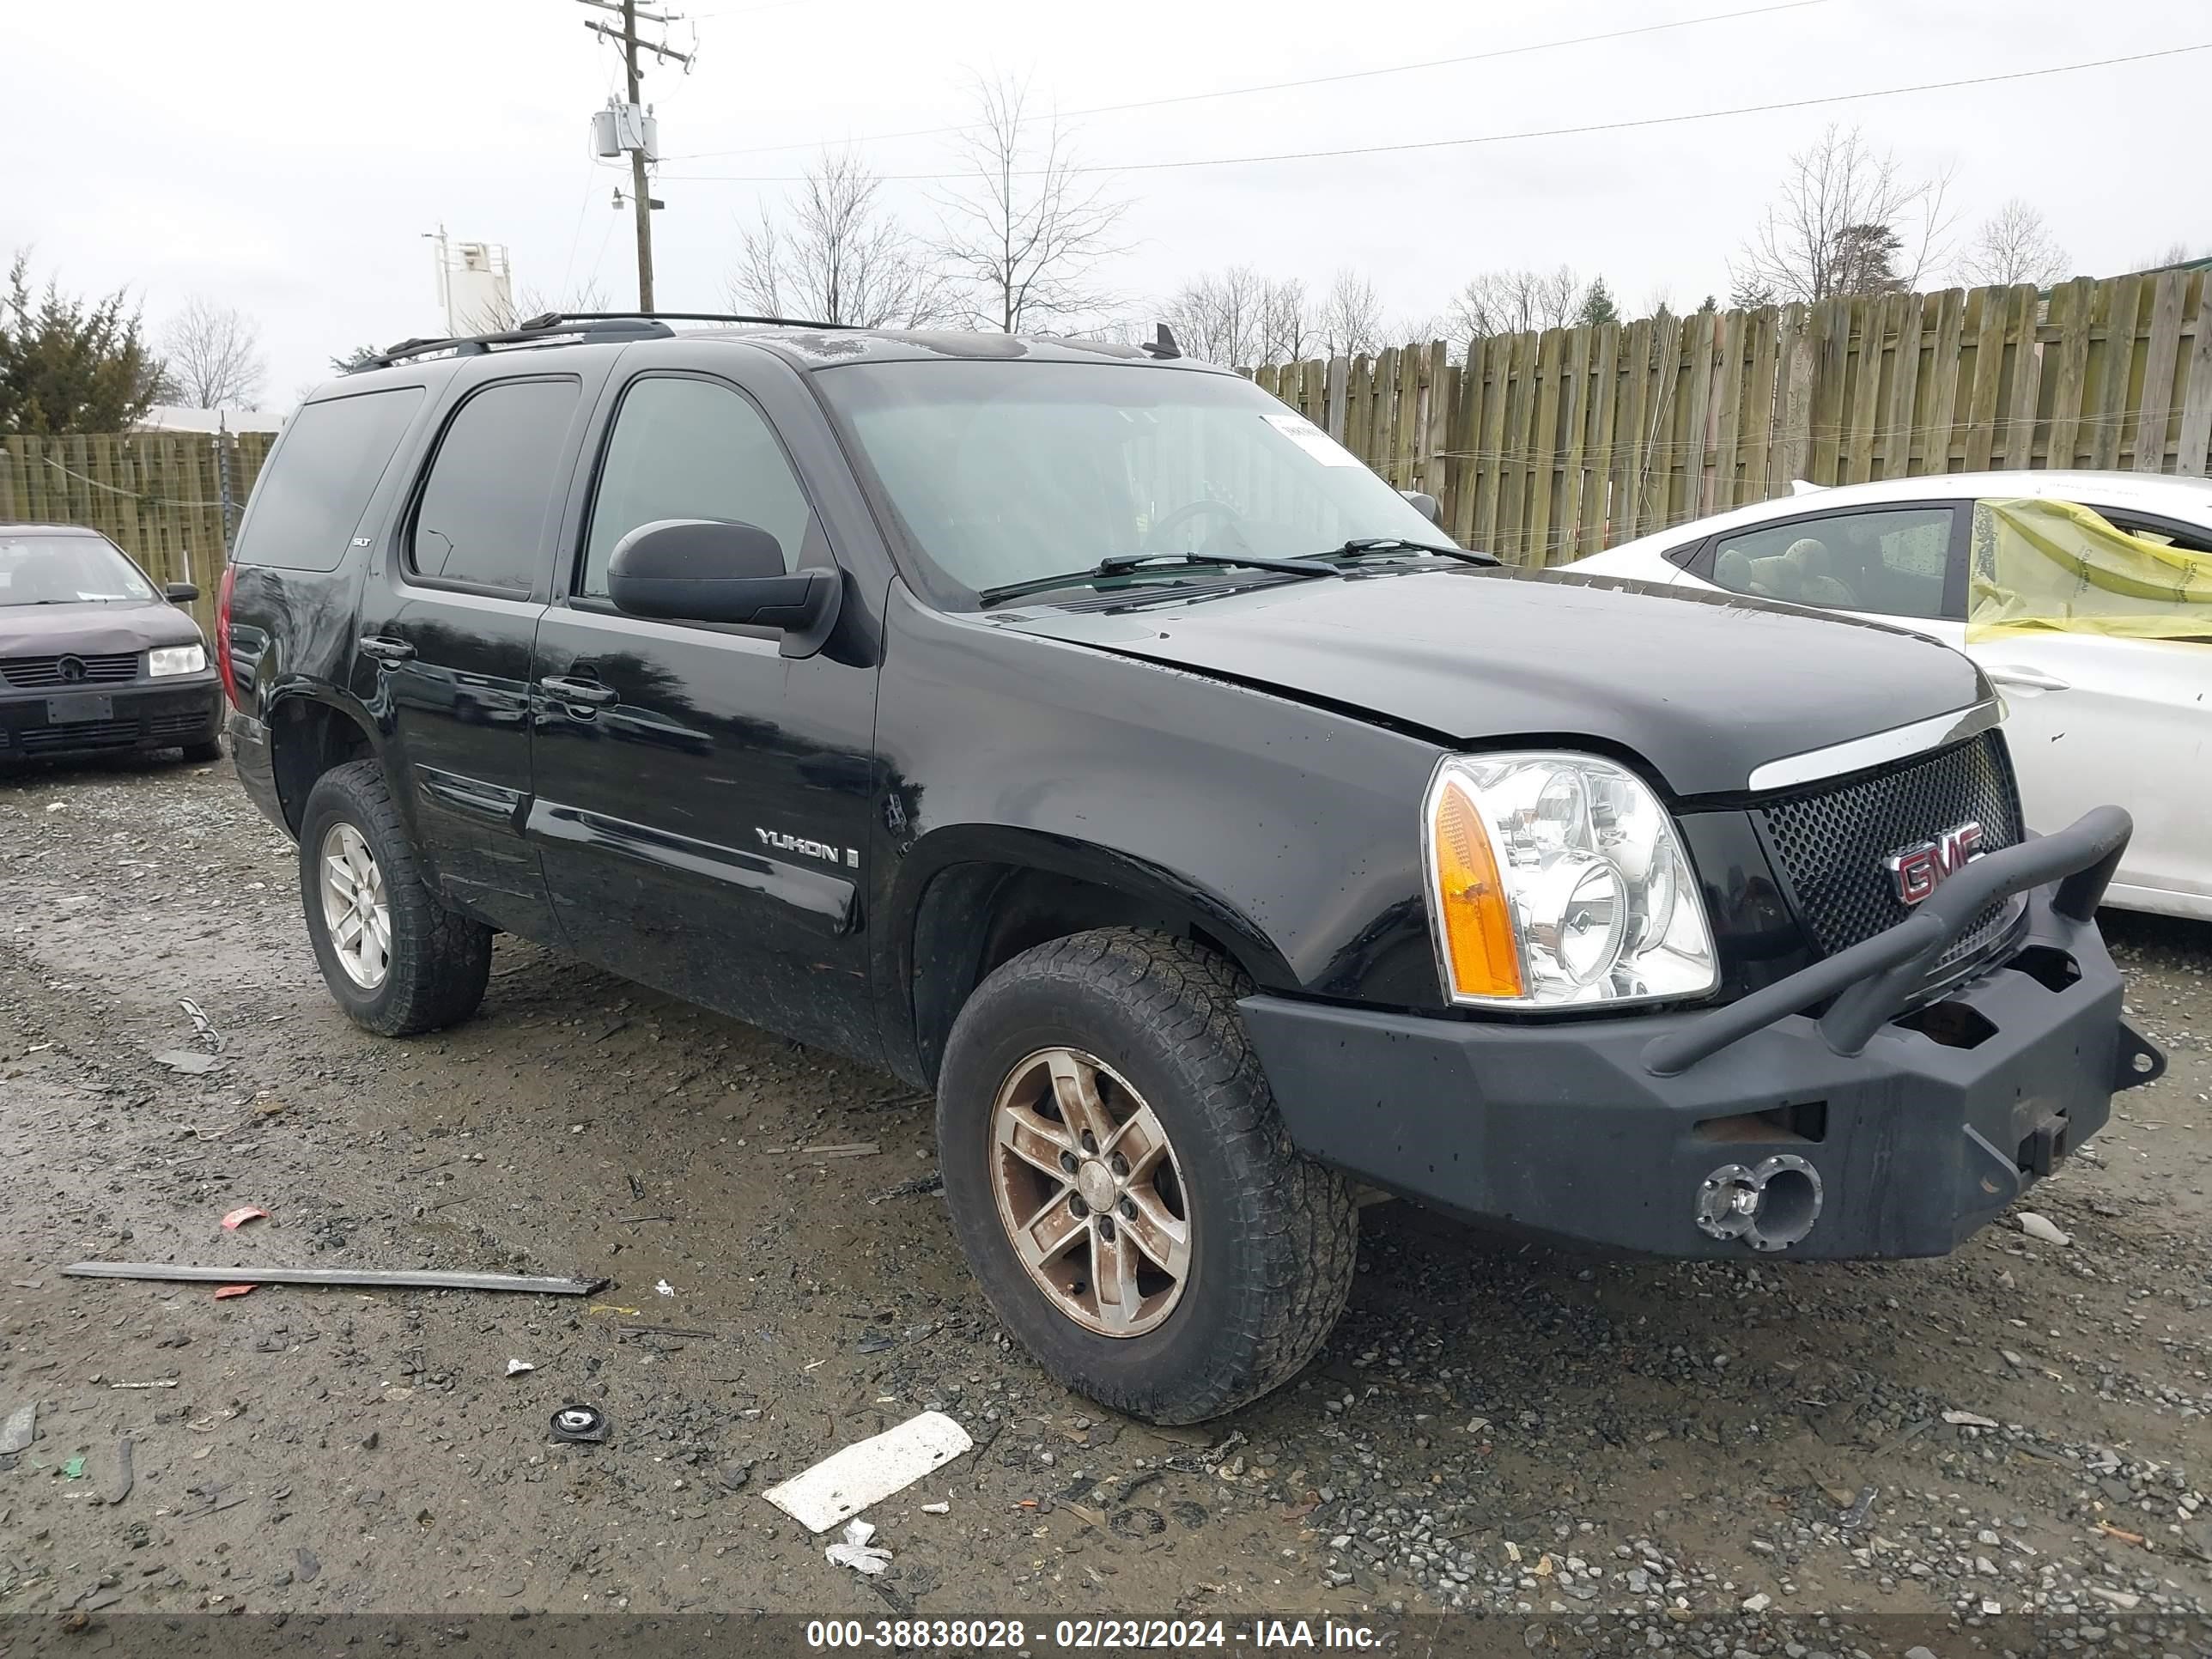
x=170, y=417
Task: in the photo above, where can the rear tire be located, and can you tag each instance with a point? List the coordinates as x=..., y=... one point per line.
x=1265, y=1239
x=395, y=959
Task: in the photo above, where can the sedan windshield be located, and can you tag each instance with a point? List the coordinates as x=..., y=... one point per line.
x=1009, y=472
x=66, y=570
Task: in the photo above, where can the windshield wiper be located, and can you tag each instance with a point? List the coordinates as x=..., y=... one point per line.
x=1138, y=564
x=1359, y=545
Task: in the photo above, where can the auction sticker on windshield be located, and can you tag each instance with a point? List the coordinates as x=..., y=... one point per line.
x=1311, y=439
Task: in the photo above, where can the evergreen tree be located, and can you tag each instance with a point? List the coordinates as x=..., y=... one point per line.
x=71, y=365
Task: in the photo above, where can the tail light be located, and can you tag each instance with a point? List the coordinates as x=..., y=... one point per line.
x=223, y=663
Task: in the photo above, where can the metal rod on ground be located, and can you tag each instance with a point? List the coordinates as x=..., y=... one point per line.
x=367, y=1277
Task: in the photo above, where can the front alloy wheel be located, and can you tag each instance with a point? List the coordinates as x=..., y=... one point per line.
x=1121, y=1185
x=1089, y=1192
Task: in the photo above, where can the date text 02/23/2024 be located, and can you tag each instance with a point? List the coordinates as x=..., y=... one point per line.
x=1081, y=1635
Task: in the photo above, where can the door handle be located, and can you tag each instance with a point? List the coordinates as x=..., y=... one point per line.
x=563, y=689
x=2027, y=680
x=389, y=653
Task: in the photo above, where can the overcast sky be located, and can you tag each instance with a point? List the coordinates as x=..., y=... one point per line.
x=287, y=157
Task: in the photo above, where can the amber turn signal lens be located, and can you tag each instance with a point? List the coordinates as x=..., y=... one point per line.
x=1478, y=926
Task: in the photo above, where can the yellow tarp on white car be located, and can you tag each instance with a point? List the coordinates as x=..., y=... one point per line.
x=2051, y=565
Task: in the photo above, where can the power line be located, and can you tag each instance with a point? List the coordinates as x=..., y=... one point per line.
x=1505, y=137
x=1276, y=86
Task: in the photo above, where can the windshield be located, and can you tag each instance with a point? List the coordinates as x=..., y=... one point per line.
x=66, y=570
x=1005, y=472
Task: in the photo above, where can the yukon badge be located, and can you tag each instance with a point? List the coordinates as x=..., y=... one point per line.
x=1916, y=871
x=849, y=856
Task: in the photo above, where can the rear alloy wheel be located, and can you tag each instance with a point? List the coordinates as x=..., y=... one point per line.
x=394, y=956
x=1121, y=1185
x=357, y=910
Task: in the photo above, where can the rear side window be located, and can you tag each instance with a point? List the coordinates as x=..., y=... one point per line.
x=307, y=503
x=481, y=520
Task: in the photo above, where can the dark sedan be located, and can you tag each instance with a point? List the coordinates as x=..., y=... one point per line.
x=94, y=656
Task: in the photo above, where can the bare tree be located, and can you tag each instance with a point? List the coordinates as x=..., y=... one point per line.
x=1027, y=231
x=1515, y=301
x=211, y=356
x=1351, y=324
x=1849, y=219
x=839, y=256
x=1243, y=318
x=2176, y=253
x=2013, y=245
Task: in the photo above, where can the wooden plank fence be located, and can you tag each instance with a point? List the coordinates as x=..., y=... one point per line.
x=1543, y=447
x=158, y=495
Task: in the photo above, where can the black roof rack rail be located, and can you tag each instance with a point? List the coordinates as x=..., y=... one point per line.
x=555, y=318
x=581, y=325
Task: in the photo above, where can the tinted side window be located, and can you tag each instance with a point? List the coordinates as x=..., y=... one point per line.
x=1888, y=563
x=309, y=499
x=691, y=449
x=481, y=517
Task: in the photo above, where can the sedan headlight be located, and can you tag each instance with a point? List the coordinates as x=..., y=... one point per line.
x=175, y=659
x=1557, y=879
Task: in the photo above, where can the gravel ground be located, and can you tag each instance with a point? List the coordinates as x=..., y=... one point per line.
x=1676, y=1450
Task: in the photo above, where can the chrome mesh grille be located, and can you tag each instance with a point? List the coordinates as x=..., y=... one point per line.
x=1830, y=841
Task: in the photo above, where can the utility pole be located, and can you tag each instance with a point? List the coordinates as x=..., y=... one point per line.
x=634, y=129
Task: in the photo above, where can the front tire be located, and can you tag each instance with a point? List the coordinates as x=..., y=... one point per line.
x=1122, y=1187
x=395, y=959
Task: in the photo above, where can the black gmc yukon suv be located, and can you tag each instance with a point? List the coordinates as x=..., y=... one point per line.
x=1076, y=731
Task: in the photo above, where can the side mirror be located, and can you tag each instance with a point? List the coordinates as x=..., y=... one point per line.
x=712, y=570
x=181, y=592
x=1427, y=506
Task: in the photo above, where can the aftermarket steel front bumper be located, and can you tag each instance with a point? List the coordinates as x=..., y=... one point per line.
x=1881, y=1127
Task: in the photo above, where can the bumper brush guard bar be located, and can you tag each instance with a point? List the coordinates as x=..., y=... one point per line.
x=1874, y=981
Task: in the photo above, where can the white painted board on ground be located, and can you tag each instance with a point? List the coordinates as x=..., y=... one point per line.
x=868, y=1471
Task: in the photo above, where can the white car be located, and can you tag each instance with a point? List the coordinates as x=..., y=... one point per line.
x=2094, y=713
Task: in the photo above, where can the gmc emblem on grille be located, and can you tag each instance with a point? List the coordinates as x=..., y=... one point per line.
x=1916, y=871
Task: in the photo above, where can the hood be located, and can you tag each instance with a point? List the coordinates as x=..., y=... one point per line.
x=93, y=630
x=1704, y=687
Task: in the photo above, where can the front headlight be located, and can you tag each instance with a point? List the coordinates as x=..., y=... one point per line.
x=175, y=659
x=1557, y=879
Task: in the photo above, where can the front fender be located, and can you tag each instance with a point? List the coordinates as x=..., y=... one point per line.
x=1290, y=832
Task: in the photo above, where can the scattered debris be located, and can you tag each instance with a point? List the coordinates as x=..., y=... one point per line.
x=2041, y=1226
x=1969, y=1420
x=848, y=1149
x=869, y=1471
x=20, y=1430
x=202, y=1027
x=158, y=1383
x=609, y=1307
x=666, y=1288
x=2124, y=1534
x=579, y=1426
x=936, y=1508
x=856, y=1553
x=1859, y=1513
x=116, y=1485
x=224, y=1292
x=189, y=1060
x=362, y=1276
x=74, y=1469
x=664, y=1330
x=240, y=1215
x=914, y=1188
x=516, y=1367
